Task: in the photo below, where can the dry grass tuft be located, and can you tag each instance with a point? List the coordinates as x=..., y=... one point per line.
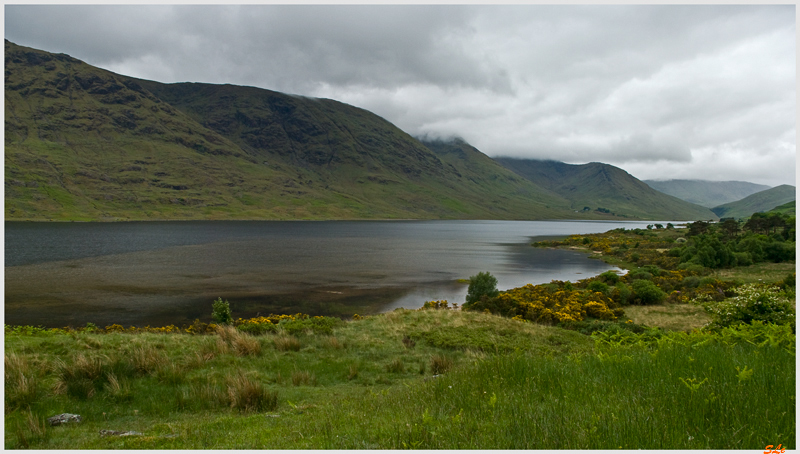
x=22, y=386
x=248, y=394
x=118, y=389
x=240, y=343
x=440, y=364
x=302, y=377
x=79, y=377
x=287, y=343
x=334, y=343
x=396, y=366
x=147, y=359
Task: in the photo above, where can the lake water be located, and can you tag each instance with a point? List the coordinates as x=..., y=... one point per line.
x=157, y=273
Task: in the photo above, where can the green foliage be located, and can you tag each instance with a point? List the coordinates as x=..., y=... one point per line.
x=646, y=292
x=481, y=285
x=597, y=286
x=621, y=293
x=609, y=277
x=752, y=303
x=221, y=312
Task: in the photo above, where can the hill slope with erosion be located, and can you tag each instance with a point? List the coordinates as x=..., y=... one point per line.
x=83, y=143
x=758, y=202
x=603, y=187
x=706, y=193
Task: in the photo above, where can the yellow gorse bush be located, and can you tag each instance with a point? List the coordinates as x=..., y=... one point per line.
x=543, y=304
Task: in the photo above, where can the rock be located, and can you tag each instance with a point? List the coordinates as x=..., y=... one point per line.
x=118, y=433
x=63, y=418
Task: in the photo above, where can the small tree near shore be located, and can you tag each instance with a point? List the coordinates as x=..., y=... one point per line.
x=221, y=312
x=480, y=285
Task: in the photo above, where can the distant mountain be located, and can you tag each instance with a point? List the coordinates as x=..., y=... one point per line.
x=85, y=143
x=602, y=187
x=707, y=193
x=758, y=202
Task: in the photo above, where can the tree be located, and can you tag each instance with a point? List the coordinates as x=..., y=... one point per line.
x=221, y=312
x=480, y=285
x=730, y=226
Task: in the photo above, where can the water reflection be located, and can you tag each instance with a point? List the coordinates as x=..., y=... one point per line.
x=170, y=272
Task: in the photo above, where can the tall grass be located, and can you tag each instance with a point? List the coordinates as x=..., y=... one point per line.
x=678, y=397
x=557, y=389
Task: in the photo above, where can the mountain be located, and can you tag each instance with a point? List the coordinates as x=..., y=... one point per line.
x=758, y=202
x=706, y=193
x=84, y=143
x=602, y=187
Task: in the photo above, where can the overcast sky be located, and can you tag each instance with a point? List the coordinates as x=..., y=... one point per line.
x=689, y=92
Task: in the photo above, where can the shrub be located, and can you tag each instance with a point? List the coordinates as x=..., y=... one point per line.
x=752, y=303
x=597, y=286
x=257, y=328
x=639, y=274
x=221, y=312
x=609, y=277
x=480, y=285
x=646, y=292
x=621, y=294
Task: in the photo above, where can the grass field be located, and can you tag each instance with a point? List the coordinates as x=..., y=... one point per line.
x=439, y=379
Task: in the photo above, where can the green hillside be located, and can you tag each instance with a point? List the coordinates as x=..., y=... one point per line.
x=85, y=143
x=600, y=187
x=758, y=202
x=706, y=193
x=789, y=208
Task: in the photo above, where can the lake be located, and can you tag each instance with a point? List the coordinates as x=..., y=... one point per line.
x=159, y=273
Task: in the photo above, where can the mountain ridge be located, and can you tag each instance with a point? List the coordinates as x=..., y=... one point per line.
x=603, y=187
x=759, y=202
x=707, y=193
x=84, y=143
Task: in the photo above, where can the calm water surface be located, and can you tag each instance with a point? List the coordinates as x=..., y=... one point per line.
x=156, y=273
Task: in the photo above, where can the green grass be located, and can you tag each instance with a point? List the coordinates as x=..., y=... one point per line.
x=371, y=384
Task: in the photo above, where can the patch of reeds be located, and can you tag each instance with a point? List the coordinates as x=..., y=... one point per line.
x=303, y=377
x=31, y=429
x=396, y=366
x=440, y=364
x=248, y=394
x=118, y=389
x=22, y=384
x=81, y=376
x=197, y=396
x=287, y=343
x=171, y=374
x=334, y=343
x=242, y=344
x=147, y=359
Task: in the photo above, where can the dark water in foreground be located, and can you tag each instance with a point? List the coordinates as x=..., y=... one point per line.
x=157, y=273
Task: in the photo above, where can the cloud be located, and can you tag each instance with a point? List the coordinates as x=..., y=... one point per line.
x=642, y=87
